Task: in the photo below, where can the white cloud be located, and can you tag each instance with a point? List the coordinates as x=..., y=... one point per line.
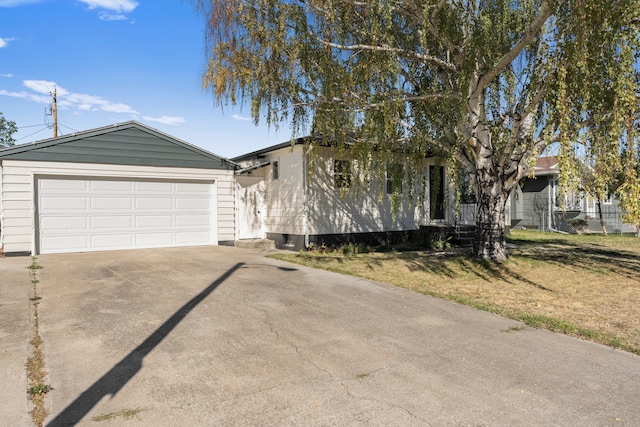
x=66, y=99
x=118, y=6
x=41, y=99
x=5, y=42
x=165, y=120
x=239, y=117
x=9, y=75
x=108, y=17
x=13, y=3
x=44, y=86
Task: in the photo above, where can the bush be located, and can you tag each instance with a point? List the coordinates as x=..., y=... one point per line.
x=578, y=224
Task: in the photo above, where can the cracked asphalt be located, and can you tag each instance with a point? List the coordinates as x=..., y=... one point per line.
x=224, y=336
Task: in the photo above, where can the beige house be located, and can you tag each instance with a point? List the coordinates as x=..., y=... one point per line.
x=294, y=198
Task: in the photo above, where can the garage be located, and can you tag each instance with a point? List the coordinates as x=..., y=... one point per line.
x=126, y=186
x=89, y=214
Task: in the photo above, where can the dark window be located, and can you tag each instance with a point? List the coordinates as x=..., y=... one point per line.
x=436, y=192
x=342, y=173
x=395, y=177
x=275, y=170
x=467, y=192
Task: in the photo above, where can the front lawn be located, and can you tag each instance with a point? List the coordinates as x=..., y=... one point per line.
x=586, y=286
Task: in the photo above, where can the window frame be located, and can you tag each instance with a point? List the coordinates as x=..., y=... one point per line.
x=342, y=173
x=391, y=176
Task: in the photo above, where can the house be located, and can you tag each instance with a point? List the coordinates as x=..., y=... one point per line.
x=536, y=203
x=297, y=194
x=118, y=187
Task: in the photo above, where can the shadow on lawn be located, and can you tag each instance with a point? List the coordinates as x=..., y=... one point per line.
x=593, y=255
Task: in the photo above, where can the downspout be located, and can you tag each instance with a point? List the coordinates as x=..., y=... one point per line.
x=305, y=197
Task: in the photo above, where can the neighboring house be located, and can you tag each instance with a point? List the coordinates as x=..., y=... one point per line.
x=294, y=198
x=118, y=187
x=536, y=203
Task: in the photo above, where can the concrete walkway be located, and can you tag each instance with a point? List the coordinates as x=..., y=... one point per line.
x=224, y=336
x=15, y=334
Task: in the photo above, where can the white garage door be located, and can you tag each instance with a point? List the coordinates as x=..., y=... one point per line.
x=96, y=214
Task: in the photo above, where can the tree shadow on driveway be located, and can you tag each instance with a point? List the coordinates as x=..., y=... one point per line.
x=118, y=376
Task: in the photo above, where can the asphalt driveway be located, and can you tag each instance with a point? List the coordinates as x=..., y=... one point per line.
x=223, y=336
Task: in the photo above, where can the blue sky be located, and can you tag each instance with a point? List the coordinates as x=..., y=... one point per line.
x=113, y=61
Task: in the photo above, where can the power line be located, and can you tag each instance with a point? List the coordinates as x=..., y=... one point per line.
x=63, y=125
x=30, y=126
x=27, y=136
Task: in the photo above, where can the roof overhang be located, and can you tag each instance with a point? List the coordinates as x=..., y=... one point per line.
x=250, y=169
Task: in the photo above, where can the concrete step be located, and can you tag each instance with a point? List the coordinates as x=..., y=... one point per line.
x=255, y=244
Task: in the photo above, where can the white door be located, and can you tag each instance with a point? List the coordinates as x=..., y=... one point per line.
x=96, y=214
x=250, y=207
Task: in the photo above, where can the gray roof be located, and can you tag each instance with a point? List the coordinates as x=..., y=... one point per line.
x=128, y=143
x=258, y=153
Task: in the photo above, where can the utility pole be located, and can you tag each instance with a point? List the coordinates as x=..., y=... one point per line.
x=55, y=114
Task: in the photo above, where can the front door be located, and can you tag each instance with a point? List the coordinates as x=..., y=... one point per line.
x=250, y=207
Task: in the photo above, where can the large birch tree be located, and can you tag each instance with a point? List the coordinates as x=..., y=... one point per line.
x=486, y=85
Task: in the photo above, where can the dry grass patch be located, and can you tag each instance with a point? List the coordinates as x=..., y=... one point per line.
x=586, y=286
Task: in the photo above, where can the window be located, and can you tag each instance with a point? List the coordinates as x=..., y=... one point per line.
x=275, y=171
x=395, y=178
x=573, y=200
x=436, y=192
x=467, y=192
x=342, y=173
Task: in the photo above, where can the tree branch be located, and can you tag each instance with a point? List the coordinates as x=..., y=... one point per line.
x=403, y=52
x=532, y=31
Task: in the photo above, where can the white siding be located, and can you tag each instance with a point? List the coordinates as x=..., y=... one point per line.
x=284, y=197
x=17, y=193
x=331, y=212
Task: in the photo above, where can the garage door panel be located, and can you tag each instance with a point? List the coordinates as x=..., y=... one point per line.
x=102, y=214
x=56, y=243
x=66, y=223
x=152, y=221
x=190, y=238
x=158, y=187
x=104, y=241
x=112, y=186
x=193, y=220
x=111, y=222
x=63, y=203
x=154, y=239
x=154, y=203
x=189, y=187
x=187, y=203
x=63, y=185
x=111, y=203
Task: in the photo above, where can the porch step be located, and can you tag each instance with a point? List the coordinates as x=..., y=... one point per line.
x=461, y=235
x=255, y=244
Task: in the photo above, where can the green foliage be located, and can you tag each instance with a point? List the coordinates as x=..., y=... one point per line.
x=39, y=389
x=7, y=129
x=441, y=244
x=629, y=191
x=488, y=86
x=355, y=248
